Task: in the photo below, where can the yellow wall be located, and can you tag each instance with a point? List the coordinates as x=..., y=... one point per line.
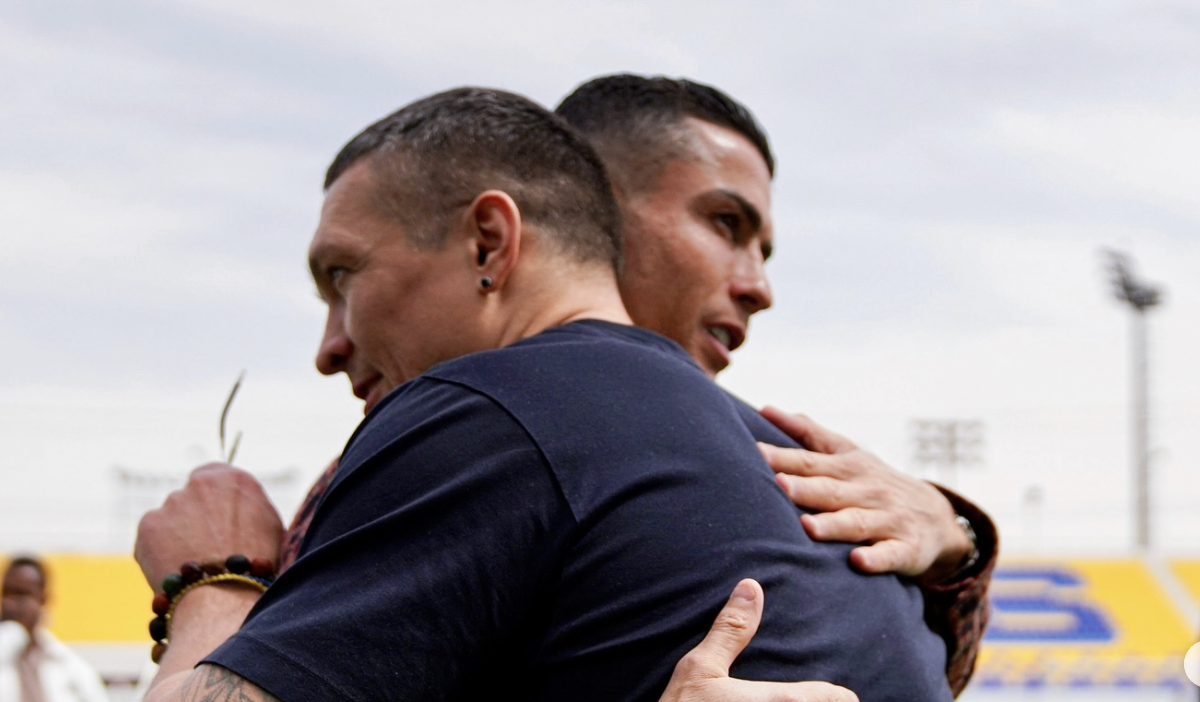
x=105, y=599
x=1146, y=620
x=98, y=599
x=1188, y=574
x=1149, y=634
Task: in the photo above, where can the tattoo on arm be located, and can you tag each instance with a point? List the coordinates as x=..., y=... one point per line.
x=212, y=683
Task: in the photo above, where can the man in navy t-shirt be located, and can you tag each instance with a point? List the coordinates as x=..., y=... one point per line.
x=544, y=502
x=559, y=519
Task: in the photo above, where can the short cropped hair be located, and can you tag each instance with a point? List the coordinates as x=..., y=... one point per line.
x=438, y=153
x=636, y=123
x=31, y=562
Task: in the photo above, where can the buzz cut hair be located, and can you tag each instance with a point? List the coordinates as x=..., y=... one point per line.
x=28, y=561
x=637, y=123
x=434, y=156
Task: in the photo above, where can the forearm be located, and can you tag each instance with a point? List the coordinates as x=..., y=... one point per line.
x=202, y=621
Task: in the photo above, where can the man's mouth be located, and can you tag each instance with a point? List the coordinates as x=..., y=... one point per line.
x=728, y=335
x=721, y=334
x=364, y=390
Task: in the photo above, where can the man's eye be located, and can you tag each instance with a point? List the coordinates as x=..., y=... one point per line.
x=728, y=222
x=335, y=273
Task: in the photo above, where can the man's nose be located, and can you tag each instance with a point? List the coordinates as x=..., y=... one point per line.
x=335, y=348
x=750, y=287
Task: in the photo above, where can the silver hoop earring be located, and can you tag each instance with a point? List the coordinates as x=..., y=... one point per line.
x=485, y=282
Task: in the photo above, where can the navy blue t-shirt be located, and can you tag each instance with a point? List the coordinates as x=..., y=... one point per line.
x=562, y=519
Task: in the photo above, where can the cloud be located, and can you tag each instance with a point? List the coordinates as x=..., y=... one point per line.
x=1128, y=151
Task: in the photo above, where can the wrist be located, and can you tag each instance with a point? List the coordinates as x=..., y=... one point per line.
x=960, y=553
x=203, y=620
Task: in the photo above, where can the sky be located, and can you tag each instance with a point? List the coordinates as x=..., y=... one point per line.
x=949, y=177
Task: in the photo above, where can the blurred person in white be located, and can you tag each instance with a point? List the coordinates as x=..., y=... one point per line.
x=34, y=665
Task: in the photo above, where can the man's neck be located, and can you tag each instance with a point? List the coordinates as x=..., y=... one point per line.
x=564, y=297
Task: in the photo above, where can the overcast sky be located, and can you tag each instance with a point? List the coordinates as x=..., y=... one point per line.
x=948, y=175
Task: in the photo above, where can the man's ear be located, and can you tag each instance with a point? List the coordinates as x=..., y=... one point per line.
x=496, y=232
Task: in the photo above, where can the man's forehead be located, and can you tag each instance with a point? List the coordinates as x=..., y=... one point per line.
x=349, y=205
x=721, y=163
x=716, y=139
x=17, y=576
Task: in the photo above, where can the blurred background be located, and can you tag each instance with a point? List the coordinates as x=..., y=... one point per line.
x=951, y=179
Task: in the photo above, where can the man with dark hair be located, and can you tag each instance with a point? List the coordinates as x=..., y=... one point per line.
x=34, y=665
x=537, y=504
x=691, y=170
x=428, y=168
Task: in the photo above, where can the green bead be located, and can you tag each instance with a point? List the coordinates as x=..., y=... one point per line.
x=172, y=584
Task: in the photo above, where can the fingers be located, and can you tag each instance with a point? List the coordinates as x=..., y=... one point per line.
x=702, y=675
x=892, y=547
x=220, y=511
x=213, y=467
x=794, y=461
x=887, y=556
x=734, y=690
x=852, y=525
x=821, y=494
x=808, y=433
x=910, y=525
x=734, y=627
x=799, y=692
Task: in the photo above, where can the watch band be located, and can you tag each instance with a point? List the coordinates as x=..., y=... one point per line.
x=973, y=555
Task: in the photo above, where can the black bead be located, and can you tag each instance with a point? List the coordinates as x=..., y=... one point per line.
x=237, y=563
x=158, y=628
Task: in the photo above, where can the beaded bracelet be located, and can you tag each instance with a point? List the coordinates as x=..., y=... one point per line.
x=258, y=573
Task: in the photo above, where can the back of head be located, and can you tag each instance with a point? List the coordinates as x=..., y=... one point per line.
x=636, y=123
x=437, y=154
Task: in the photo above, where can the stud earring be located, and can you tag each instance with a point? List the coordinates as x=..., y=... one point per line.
x=485, y=282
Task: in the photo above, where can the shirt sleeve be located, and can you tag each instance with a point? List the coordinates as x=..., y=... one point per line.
x=87, y=681
x=958, y=610
x=422, y=565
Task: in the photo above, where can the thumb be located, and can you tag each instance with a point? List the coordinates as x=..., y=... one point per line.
x=731, y=632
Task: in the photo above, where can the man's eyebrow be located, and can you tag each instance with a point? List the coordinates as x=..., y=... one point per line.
x=315, y=255
x=753, y=218
x=749, y=211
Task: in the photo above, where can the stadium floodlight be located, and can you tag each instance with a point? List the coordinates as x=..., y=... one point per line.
x=947, y=444
x=1140, y=296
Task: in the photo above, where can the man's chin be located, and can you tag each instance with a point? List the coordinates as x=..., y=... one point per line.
x=711, y=358
x=710, y=369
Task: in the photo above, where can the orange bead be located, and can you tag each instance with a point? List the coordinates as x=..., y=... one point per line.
x=161, y=603
x=262, y=568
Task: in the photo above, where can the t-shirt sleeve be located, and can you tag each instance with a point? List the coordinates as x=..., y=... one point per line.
x=421, y=571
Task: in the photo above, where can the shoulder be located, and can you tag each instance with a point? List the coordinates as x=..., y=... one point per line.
x=759, y=427
x=431, y=442
x=430, y=414
x=579, y=352
x=13, y=639
x=61, y=652
x=50, y=643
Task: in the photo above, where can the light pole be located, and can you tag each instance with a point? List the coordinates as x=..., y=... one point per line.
x=948, y=444
x=1140, y=296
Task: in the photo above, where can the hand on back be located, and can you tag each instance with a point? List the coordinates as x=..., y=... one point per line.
x=906, y=524
x=702, y=675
